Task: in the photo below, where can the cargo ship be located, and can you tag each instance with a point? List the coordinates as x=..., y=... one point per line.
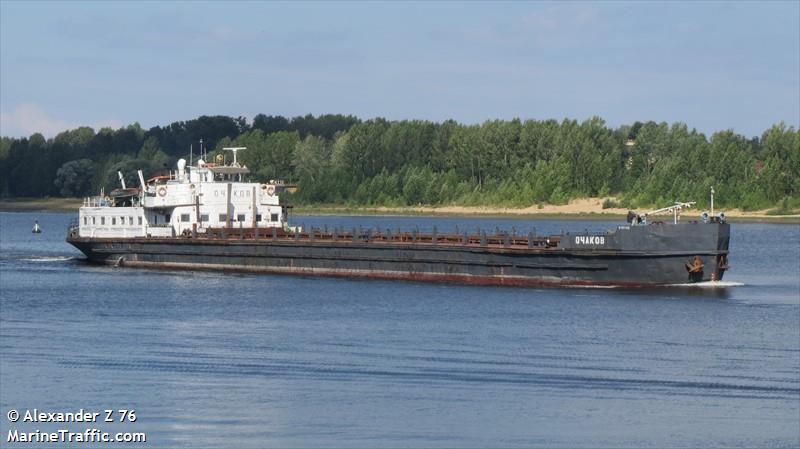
x=207, y=216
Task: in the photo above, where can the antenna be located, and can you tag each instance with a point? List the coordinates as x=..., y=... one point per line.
x=190, y=155
x=121, y=179
x=234, y=150
x=201, y=150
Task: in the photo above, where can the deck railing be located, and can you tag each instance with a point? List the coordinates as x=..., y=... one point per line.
x=375, y=236
x=96, y=201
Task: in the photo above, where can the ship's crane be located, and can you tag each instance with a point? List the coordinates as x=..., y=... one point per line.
x=674, y=210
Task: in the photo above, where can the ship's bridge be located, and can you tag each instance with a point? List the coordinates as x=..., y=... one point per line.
x=228, y=173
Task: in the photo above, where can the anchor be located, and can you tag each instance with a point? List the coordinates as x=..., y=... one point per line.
x=695, y=266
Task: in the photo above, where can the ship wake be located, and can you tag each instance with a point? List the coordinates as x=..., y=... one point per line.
x=48, y=259
x=710, y=284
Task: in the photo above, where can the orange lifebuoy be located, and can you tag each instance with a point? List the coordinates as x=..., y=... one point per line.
x=162, y=191
x=271, y=190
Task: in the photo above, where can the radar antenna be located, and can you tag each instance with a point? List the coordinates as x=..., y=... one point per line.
x=234, y=150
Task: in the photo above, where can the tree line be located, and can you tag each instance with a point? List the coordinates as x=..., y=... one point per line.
x=344, y=160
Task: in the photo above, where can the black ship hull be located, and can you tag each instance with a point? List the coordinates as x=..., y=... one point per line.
x=652, y=255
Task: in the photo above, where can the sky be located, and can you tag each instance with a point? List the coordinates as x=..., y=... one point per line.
x=711, y=65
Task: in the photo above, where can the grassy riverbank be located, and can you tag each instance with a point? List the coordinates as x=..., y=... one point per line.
x=582, y=209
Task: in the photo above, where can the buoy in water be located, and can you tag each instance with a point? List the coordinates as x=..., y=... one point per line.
x=36, y=229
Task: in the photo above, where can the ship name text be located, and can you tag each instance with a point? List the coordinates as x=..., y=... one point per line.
x=590, y=240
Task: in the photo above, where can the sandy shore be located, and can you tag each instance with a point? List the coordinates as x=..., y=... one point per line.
x=575, y=207
x=586, y=208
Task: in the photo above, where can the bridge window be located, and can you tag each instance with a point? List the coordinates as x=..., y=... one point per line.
x=140, y=221
x=85, y=221
x=184, y=217
x=258, y=217
x=113, y=221
x=204, y=217
x=223, y=218
x=93, y=222
x=102, y=220
x=273, y=217
x=240, y=217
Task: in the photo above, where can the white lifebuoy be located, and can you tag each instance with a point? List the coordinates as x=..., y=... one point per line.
x=162, y=191
x=271, y=190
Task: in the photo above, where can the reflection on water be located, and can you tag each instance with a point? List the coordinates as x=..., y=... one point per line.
x=218, y=360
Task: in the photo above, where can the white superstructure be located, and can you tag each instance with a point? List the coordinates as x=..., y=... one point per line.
x=189, y=200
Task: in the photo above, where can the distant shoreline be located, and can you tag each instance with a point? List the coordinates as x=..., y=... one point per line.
x=40, y=204
x=581, y=209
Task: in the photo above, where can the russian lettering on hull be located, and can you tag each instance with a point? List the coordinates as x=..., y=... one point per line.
x=590, y=240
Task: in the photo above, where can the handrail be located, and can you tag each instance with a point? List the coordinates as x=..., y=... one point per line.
x=369, y=236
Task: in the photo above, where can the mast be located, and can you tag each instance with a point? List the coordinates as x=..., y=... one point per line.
x=712, y=201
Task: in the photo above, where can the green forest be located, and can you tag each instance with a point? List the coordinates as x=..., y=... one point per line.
x=338, y=159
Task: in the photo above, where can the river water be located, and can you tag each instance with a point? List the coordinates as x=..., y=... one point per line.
x=230, y=360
